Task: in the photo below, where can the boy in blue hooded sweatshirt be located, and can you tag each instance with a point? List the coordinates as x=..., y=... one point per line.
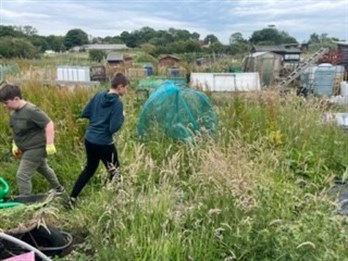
x=105, y=113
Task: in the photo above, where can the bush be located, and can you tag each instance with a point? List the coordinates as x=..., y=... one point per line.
x=17, y=47
x=96, y=55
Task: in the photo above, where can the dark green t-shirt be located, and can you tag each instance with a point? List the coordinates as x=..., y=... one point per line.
x=28, y=127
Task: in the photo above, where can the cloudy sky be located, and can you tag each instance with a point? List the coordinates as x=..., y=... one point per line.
x=299, y=18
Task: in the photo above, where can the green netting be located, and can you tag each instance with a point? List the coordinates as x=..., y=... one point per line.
x=179, y=112
x=152, y=82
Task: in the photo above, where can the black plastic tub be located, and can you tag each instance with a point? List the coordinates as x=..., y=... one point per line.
x=49, y=240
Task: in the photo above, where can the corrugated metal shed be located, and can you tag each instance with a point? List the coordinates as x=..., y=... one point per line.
x=114, y=57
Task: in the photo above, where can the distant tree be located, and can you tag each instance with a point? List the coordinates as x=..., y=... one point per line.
x=129, y=39
x=17, y=47
x=216, y=47
x=96, y=55
x=236, y=38
x=195, y=36
x=39, y=42
x=176, y=47
x=210, y=38
x=271, y=36
x=239, y=49
x=158, y=41
x=75, y=37
x=238, y=45
x=145, y=34
x=163, y=38
x=324, y=38
x=180, y=35
x=192, y=46
x=112, y=40
x=28, y=30
x=10, y=31
x=55, y=43
x=314, y=38
x=96, y=40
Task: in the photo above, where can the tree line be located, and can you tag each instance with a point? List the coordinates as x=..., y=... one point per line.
x=24, y=42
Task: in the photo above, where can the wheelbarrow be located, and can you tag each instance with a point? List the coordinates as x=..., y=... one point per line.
x=4, y=201
x=12, y=201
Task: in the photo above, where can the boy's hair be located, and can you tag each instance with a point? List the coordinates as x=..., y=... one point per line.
x=119, y=79
x=9, y=92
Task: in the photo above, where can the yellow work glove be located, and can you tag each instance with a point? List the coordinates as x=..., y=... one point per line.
x=50, y=149
x=16, y=152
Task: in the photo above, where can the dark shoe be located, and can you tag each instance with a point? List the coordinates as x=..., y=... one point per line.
x=69, y=203
x=57, y=191
x=114, y=175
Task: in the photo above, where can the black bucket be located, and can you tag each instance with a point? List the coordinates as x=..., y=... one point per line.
x=49, y=240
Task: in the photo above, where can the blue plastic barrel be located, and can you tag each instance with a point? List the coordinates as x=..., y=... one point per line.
x=148, y=70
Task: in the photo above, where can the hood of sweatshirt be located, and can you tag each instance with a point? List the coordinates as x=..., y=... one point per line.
x=107, y=99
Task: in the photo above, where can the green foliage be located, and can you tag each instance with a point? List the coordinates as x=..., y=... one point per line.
x=10, y=31
x=75, y=37
x=268, y=36
x=17, y=47
x=56, y=43
x=210, y=39
x=96, y=55
x=40, y=43
x=145, y=58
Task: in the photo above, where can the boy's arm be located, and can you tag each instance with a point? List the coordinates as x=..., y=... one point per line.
x=49, y=133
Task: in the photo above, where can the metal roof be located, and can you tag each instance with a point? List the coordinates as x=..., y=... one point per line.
x=276, y=49
x=256, y=54
x=114, y=57
x=169, y=56
x=106, y=46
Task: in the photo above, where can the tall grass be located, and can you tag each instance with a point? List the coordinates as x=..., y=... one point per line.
x=254, y=191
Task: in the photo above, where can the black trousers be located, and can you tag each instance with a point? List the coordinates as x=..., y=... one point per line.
x=96, y=153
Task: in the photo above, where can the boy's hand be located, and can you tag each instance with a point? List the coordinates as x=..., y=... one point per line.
x=16, y=152
x=50, y=149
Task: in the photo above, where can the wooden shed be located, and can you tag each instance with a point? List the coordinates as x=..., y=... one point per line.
x=289, y=53
x=169, y=60
x=114, y=63
x=115, y=59
x=342, y=48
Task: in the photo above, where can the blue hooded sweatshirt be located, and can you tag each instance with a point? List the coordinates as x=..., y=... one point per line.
x=105, y=113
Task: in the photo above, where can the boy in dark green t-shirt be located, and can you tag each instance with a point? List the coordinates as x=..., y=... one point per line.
x=33, y=139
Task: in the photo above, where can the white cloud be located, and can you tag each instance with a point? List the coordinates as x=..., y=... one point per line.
x=299, y=18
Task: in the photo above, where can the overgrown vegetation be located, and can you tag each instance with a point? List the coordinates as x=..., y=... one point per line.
x=24, y=42
x=255, y=191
